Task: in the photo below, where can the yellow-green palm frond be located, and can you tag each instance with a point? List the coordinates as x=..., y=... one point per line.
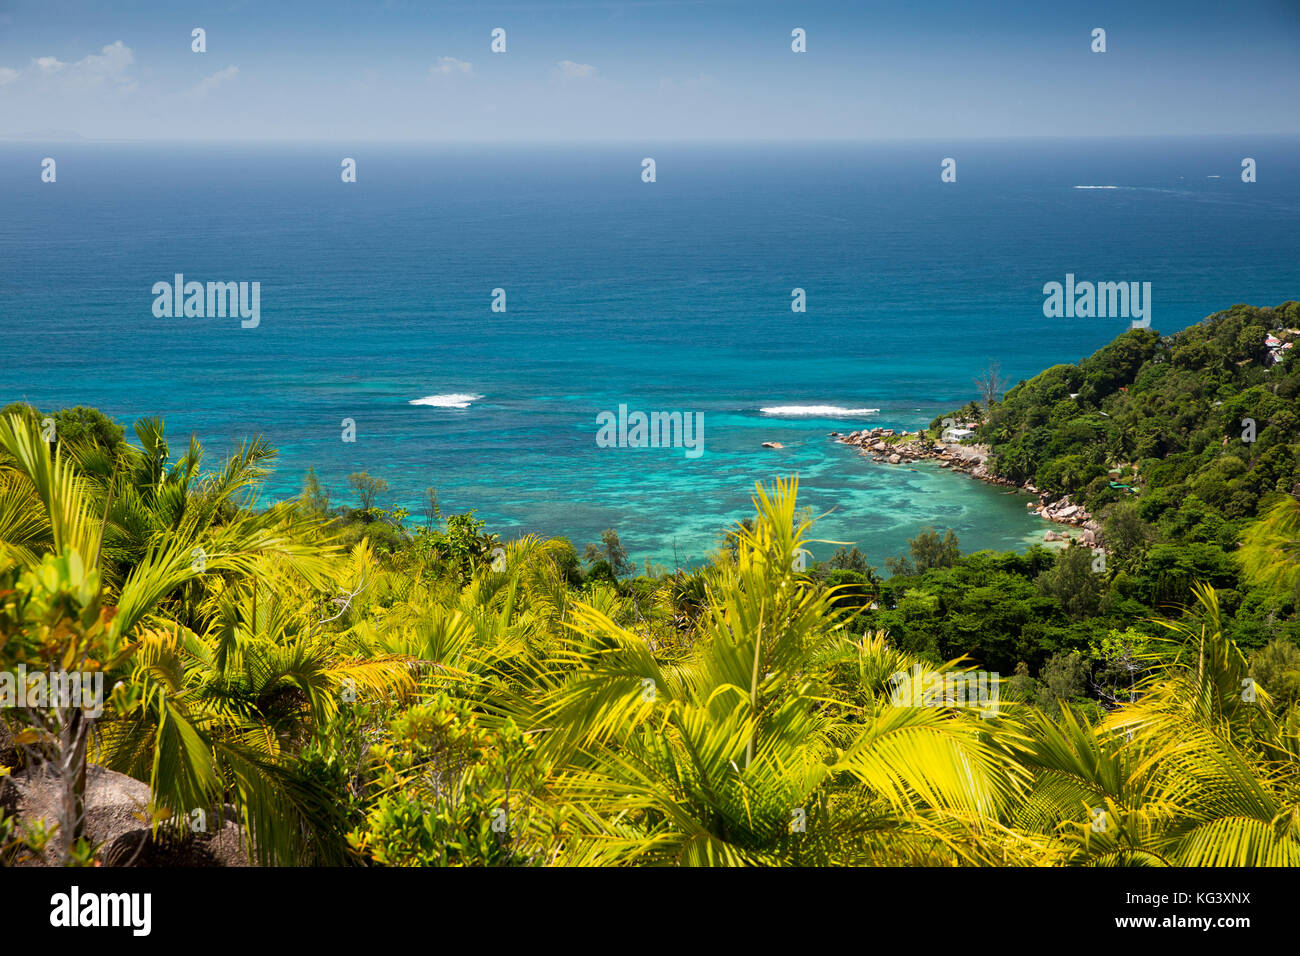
x=927, y=757
x=1270, y=553
x=71, y=509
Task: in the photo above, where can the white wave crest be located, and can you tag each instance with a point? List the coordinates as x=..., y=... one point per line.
x=453, y=400
x=818, y=411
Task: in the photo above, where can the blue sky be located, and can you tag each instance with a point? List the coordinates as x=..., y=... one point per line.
x=647, y=71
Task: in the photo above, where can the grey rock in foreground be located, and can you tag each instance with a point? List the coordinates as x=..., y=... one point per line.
x=115, y=804
x=221, y=845
x=117, y=819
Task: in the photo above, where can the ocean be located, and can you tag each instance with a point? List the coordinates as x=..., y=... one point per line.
x=376, y=306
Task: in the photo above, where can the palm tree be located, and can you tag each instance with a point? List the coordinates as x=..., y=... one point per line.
x=740, y=754
x=1196, y=772
x=1270, y=554
x=182, y=566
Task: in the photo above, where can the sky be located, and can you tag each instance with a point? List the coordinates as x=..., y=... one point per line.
x=585, y=70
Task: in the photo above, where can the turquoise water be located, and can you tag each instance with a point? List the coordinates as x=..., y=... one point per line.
x=671, y=296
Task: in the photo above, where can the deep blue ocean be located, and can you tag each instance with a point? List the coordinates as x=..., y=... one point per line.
x=665, y=296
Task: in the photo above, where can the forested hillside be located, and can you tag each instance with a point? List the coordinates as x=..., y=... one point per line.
x=1204, y=425
x=1147, y=433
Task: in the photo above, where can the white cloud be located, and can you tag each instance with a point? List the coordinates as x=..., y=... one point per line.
x=109, y=65
x=572, y=70
x=449, y=65
x=210, y=83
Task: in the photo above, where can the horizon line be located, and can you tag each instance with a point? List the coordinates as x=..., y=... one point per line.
x=73, y=138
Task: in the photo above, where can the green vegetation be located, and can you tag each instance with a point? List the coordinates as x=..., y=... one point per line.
x=364, y=689
x=1168, y=415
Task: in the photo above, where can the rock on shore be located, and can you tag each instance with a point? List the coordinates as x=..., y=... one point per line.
x=903, y=447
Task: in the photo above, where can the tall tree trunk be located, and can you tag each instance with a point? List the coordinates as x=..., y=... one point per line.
x=71, y=765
